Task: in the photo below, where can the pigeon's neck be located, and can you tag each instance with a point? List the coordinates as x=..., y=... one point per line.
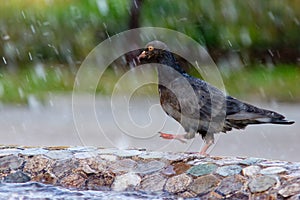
x=168, y=59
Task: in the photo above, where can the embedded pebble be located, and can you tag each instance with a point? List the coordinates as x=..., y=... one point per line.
x=34, y=151
x=10, y=162
x=273, y=170
x=229, y=170
x=127, y=153
x=153, y=183
x=204, y=184
x=251, y=170
x=59, y=154
x=178, y=183
x=272, y=163
x=125, y=181
x=202, y=169
x=17, y=177
x=250, y=161
x=37, y=164
x=110, y=158
x=261, y=184
x=149, y=167
x=152, y=155
x=125, y=165
x=290, y=190
x=229, y=161
x=73, y=181
x=83, y=155
x=82, y=149
x=230, y=185
x=6, y=152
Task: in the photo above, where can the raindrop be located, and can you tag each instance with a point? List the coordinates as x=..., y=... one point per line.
x=230, y=44
x=23, y=14
x=102, y=7
x=1, y=90
x=21, y=92
x=33, y=103
x=32, y=29
x=40, y=71
x=30, y=56
x=4, y=60
x=271, y=15
x=270, y=52
x=5, y=37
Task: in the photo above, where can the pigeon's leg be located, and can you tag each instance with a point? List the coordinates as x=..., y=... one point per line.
x=181, y=138
x=209, y=140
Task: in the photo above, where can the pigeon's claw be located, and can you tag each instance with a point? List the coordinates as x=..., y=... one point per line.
x=171, y=137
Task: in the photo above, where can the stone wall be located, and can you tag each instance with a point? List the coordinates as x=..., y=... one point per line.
x=179, y=174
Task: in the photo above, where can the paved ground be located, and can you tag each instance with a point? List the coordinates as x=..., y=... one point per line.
x=97, y=125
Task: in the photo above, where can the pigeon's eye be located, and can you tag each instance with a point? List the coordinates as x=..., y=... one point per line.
x=150, y=48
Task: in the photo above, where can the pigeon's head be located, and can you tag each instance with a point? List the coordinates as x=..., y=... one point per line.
x=154, y=51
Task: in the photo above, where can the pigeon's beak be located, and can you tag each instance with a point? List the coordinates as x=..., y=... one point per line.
x=142, y=55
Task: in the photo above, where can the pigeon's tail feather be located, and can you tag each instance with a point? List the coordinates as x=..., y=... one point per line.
x=281, y=121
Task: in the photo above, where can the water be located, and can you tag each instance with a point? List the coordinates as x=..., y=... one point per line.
x=33, y=190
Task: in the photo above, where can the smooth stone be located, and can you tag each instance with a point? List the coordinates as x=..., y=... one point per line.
x=251, y=170
x=110, y=158
x=127, y=153
x=228, y=161
x=7, y=152
x=180, y=167
x=149, y=167
x=100, y=181
x=83, y=155
x=261, y=184
x=126, y=181
x=173, y=157
x=230, y=185
x=107, y=151
x=203, y=169
x=204, y=184
x=273, y=163
x=62, y=167
x=273, y=170
x=17, y=177
x=126, y=165
x=178, y=183
x=153, y=183
x=152, y=155
x=82, y=148
x=59, y=154
x=290, y=190
x=229, y=170
x=34, y=151
x=10, y=162
x=250, y=161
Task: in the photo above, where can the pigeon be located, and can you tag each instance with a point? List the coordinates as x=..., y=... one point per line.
x=197, y=105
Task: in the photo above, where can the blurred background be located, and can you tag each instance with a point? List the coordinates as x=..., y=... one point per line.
x=255, y=44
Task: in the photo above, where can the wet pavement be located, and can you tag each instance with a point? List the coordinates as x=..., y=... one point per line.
x=100, y=124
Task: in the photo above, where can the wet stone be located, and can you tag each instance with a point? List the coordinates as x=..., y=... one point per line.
x=63, y=167
x=100, y=181
x=127, y=153
x=229, y=170
x=228, y=161
x=152, y=155
x=273, y=163
x=204, y=184
x=10, y=162
x=45, y=178
x=290, y=190
x=250, y=161
x=107, y=151
x=17, y=177
x=34, y=151
x=251, y=171
x=230, y=185
x=149, y=167
x=82, y=148
x=126, y=181
x=36, y=164
x=59, y=154
x=153, y=183
x=7, y=152
x=73, y=181
x=178, y=183
x=169, y=170
x=83, y=155
x=181, y=167
x=202, y=169
x=261, y=184
x=125, y=165
x=110, y=158
x=273, y=170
